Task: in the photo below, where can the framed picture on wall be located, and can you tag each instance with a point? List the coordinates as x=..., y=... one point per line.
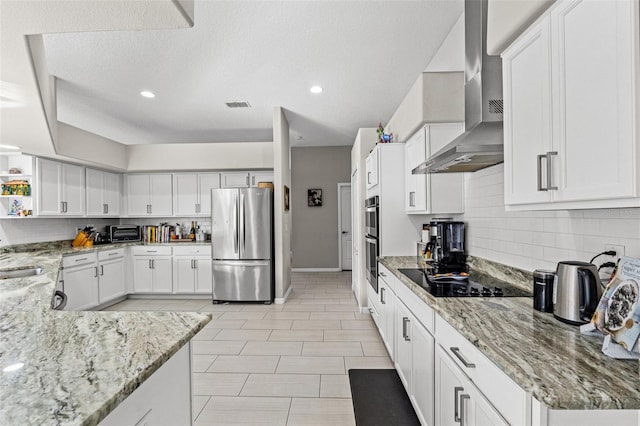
x=314, y=197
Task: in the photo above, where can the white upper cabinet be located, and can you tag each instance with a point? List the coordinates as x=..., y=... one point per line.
x=373, y=171
x=149, y=195
x=244, y=179
x=571, y=108
x=103, y=193
x=432, y=193
x=192, y=193
x=61, y=189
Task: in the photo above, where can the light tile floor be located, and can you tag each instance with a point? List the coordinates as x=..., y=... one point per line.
x=257, y=364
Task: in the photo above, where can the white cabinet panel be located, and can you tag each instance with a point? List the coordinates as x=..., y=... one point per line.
x=206, y=182
x=80, y=284
x=235, y=180
x=404, y=351
x=184, y=277
x=423, y=376
x=142, y=274
x=149, y=195
x=372, y=170
x=61, y=189
x=162, y=277
x=185, y=193
x=571, y=108
x=112, y=280
x=103, y=193
x=257, y=177
x=204, y=279
x=527, y=115
x=152, y=274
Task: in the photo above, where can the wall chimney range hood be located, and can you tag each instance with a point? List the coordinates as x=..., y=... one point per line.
x=481, y=145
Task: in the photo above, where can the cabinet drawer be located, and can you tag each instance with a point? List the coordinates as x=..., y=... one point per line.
x=509, y=398
x=110, y=254
x=79, y=259
x=200, y=250
x=151, y=251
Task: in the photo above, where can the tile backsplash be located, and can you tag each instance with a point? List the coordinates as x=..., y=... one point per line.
x=24, y=231
x=538, y=240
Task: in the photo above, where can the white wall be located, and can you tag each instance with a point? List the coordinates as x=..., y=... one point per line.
x=507, y=19
x=450, y=55
x=201, y=156
x=538, y=240
x=282, y=218
x=90, y=148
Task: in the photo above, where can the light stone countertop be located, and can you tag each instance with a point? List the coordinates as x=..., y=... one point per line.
x=547, y=358
x=78, y=366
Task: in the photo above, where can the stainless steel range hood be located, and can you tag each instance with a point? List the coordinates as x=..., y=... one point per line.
x=481, y=145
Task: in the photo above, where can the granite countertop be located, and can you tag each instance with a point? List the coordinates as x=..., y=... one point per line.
x=549, y=359
x=78, y=366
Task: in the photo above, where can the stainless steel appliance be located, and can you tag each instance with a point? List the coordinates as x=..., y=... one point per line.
x=543, y=290
x=242, y=244
x=120, y=233
x=576, y=292
x=371, y=240
x=481, y=145
x=447, y=246
x=462, y=284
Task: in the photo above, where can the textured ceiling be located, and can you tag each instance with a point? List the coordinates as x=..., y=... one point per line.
x=365, y=54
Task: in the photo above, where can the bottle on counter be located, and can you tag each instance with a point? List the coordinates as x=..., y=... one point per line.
x=178, y=231
x=192, y=231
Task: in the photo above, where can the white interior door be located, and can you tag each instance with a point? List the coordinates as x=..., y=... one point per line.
x=346, y=237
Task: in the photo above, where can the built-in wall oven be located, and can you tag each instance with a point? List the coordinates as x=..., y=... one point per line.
x=371, y=240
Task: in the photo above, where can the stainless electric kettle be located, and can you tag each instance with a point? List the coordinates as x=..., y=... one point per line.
x=576, y=292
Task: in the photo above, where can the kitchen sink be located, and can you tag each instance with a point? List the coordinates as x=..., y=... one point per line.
x=20, y=271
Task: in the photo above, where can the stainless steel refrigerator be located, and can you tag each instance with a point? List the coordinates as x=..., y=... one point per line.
x=242, y=244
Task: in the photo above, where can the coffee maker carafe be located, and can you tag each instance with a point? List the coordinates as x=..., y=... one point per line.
x=447, y=246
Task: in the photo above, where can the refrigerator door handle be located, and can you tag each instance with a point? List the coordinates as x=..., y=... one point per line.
x=236, y=240
x=242, y=222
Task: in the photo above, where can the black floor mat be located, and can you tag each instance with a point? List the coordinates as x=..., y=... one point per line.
x=379, y=399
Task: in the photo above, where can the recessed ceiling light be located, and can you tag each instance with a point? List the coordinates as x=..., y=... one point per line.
x=147, y=94
x=13, y=367
x=9, y=146
x=315, y=89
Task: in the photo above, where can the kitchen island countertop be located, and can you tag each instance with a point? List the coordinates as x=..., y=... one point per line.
x=549, y=359
x=78, y=366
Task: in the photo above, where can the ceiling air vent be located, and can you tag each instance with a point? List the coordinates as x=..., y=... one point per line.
x=238, y=104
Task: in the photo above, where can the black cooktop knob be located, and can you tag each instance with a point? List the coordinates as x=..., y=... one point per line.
x=486, y=291
x=460, y=291
x=497, y=291
x=474, y=292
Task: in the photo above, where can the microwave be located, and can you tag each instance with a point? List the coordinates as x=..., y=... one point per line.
x=120, y=233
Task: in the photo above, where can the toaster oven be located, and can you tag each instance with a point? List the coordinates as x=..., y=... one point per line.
x=121, y=233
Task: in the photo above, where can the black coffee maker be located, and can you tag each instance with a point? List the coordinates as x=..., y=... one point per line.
x=446, y=245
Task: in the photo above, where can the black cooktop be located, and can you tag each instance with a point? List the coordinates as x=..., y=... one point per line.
x=463, y=284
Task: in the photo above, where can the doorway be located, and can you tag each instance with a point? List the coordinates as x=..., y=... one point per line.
x=345, y=237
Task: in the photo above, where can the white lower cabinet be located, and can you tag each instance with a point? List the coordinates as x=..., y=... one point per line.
x=152, y=269
x=164, y=399
x=80, y=282
x=192, y=274
x=457, y=399
x=111, y=278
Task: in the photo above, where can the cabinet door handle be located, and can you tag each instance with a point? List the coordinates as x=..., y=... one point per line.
x=149, y=263
x=405, y=329
x=95, y=272
x=105, y=209
x=382, y=274
x=539, y=171
x=195, y=263
x=549, y=154
x=368, y=177
x=463, y=398
x=247, y=180
x=412, y=199
x=456, y=352
x=382, y=298
x=456, y=412
x=101, y=270
x=253, y=180
x=150, y=208
x=61, y=206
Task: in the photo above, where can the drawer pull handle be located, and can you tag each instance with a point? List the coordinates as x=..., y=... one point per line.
x=383, y=299
x=112, y=254
x=456, y=352
x=405, y=331
x=463, y=397
x=456, y=412
x=81, y=259
x=382, y=274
